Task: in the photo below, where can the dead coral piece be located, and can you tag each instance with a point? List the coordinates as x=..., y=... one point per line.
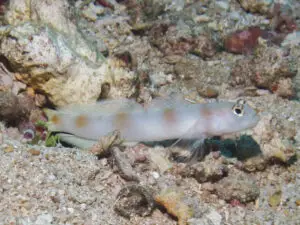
x=134, y=200
x=8, y=149
x=275, y=199
x=171, y=41
x=159, y=160
x=56, y=59
x=276, y=138
x=172, y=200
x=237, y=187
x=269, y=68
x=282, y=22
x=256, y=6
x=63, y=22
x=210, y=170
x=123, y=164
x=194, y=73
x=257, y=163
x=103, y=147
x=208, y=92
x=15, y=109
x=47, y=63
x=141, y=12
x=203, y=47
x=244, y=41
x=8, y=81
x=284, y=88
x=34, y=152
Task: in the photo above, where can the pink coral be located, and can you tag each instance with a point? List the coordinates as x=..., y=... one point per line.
x=243, y=41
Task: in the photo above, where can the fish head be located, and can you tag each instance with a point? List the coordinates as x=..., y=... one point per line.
x=233, y=117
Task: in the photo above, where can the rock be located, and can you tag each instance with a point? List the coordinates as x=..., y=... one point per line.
x=208, y=92
x=256, y=6
x=269, y=68
x=54, y=58
x=47, y=62
x=275, y=199
x=34, y=152
x=211, y=218
x=275, y=138
x=207, y=172
x=243, y=41
x=179, y=40
x=134, y=200
x=91, y=12
x=173, y=201
x=15, y=109
x=252, y=164
x=195, y=73
x=237, y=187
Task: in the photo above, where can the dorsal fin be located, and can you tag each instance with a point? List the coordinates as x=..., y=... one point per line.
x=105, y=107
x=173, y=101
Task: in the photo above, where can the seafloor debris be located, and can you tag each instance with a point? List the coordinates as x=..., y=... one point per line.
x=172, y=200
x=256, y=6
x=246, y=40
x=243, y=41
x=15, y=109
x=210, y=170
x=275, y=198
x=208, y=92
x=122, y=162
x=134, y=200
x=282, y=21
x=256, y=163
x=276, y=138
x=67, y=68
x=269, y=68
x=58, y=70
x=172, y=41
x=104, y=145
x=159, y=160
x=237, y=186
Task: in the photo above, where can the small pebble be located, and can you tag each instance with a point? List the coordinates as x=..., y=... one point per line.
x=208, y=92
x=155, y=175
x=71, y=210
x=202, y=18
x=274, y=200
x=8, y=149
x=34, y=151
x=297, y=202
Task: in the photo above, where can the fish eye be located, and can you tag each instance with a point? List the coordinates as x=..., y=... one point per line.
x=238, y=111
x=238, y=108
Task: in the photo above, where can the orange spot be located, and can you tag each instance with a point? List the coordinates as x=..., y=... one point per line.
x=170, y=115
x=121, y=120
x=81, y=121
x=205, y=112
x=55, y=119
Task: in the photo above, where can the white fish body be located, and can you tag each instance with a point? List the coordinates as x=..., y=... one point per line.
x=154, y=123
